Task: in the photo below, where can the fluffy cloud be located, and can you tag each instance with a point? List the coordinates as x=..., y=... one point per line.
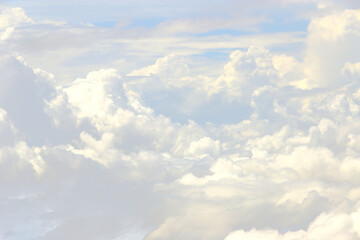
x=23, y=94
x=337, y=226
x=332, y=42
x=10, y=18
x=92, y=158
x=169, y=66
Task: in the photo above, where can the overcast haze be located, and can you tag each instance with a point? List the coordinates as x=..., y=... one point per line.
x=181, y=120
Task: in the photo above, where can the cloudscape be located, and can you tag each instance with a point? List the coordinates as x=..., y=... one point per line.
x=180, y=120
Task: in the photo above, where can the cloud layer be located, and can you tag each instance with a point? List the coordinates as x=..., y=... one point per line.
x=262, y=145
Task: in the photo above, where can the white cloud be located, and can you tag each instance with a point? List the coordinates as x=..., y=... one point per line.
x=332, y=42
x=92, y=158
x=7, y=33
x=10, y=18
x=31, y=155
x=7, y=129
x=89, y=97
x=168, y=66
x=204, y=147
x=336, y=226
x=23, y=95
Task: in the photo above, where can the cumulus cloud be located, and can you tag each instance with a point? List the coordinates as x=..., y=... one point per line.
x=94, y=157
x=13, y=17
x=337, y=226
x=332, y=42
x=23, y=94
x=10, y=18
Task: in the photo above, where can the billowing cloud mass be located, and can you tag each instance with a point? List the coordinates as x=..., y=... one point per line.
x=174, y=141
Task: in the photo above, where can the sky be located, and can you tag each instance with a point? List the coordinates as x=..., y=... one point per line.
x=156, y=120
